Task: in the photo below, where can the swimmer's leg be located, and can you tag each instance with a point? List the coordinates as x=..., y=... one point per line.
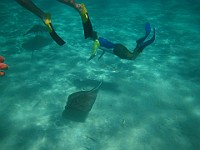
x=29, y=5
x=145, y=44
x=46, y=18
x=148, y=30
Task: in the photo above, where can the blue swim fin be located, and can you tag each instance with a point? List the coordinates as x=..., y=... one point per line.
x=145, y=44
x=147, y=30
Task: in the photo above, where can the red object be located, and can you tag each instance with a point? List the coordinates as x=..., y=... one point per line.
x=2, y=73
x=2, y=59
x=3, y=66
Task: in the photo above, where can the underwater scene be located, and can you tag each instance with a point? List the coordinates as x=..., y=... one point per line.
x=99, y=75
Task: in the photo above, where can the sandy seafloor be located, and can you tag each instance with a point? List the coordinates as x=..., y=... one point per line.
x=151, y=103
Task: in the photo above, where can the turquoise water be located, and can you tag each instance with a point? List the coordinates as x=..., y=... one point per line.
x=151, y=103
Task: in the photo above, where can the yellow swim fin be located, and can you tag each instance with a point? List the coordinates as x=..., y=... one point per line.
x=54, y=35
x=83, y=13
x=47, y=21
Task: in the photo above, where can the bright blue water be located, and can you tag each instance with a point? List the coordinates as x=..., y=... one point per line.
x=151, y=103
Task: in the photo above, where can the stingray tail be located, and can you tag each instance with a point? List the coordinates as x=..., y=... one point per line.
x=97, y=88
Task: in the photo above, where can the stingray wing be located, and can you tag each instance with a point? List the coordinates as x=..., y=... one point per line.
x=82, y=100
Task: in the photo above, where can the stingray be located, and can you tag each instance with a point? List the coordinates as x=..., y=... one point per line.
x=37, y=42
x=36, y=29
x=80, y=103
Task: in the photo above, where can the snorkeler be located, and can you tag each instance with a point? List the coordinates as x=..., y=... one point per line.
x=87, y=26
x=105, y=45
x=2, y=66
x=46, y=18
x=120, y=50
